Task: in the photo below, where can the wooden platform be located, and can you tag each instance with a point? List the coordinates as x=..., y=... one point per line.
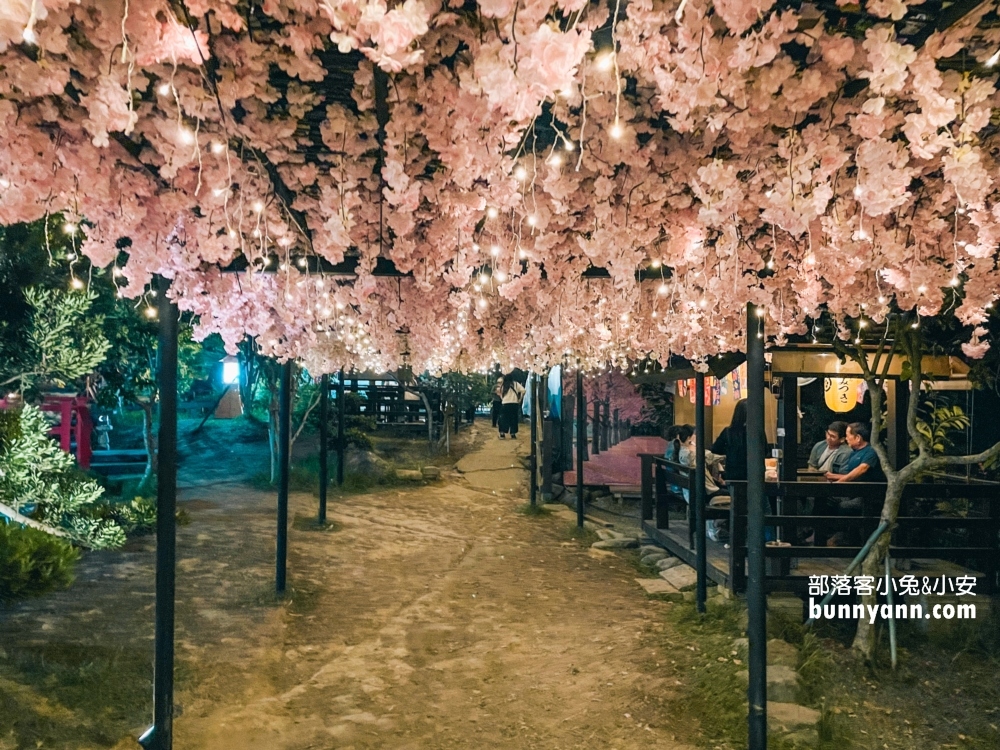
x=675, y=541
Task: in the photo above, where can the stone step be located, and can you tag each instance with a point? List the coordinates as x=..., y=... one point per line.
x=680, y=576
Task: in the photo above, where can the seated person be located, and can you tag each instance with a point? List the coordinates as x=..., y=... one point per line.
x=863, y=464
x=718, y=497
x=831, y=454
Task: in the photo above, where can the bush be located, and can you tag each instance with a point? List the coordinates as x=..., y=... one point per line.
x=33, y=563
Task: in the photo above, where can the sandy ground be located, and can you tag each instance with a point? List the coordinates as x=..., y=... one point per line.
x=436, y=617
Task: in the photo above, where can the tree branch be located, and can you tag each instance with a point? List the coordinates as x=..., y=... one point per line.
x=16, y=517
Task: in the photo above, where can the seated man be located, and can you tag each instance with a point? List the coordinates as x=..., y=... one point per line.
x=832, y=453
x=863, y=464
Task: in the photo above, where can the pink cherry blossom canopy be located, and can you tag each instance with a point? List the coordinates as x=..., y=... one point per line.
x=803, y=157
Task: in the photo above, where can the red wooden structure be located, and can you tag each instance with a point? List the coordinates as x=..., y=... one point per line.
x=74, y=427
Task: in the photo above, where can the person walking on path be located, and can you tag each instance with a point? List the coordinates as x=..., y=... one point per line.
x=511, y=393
x=497, y=401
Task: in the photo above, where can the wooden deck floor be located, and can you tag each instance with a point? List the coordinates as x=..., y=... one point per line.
x=675, y=540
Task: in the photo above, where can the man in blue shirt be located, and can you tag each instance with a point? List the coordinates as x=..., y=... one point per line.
x=863, y=464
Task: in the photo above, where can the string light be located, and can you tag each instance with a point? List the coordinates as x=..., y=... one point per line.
x=495, y=250
x=500, y=276
x=257, y=206
x=532, y=220
x=521, y=173
x=921, y=289
x=492, y=212
x=483, y=278
x=555, y=160
x=150, y=312
x=69, y=228
x=522, y=253
x=217, y=148
x=663, y=289
x=605, y=61
x=163, y=89
x=185, y=136
x=616, y=131
x=76, y=283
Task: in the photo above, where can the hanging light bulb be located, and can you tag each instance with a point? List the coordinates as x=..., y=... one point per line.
x=492, y=212
x=185, y=136
x=568, y=144
x=500, y=276
x=257, y=206
x=663, y=289
x=163, y=89
x=150, y=312
x=616, y=130
x=921, y=289
x=532, y=221
x=555, y=160
x=76, y=283
x=521, y=173
x=69, y=228
x=522, y=253
x=217, y=148
x=605, y=61
x=483, y=278
x=993, y=59
x=495, y=250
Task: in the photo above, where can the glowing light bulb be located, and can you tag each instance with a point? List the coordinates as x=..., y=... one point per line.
x=76, y=283
x=483, y=278
x=495, y=250
x=475, y=247
x=922, y=289
x=953, y=281
x=993, y=59
x=4, y=182
x=655, y=263
x=218, y=148
x=663, y=289
x=768, y=193
x=770, y=264
x=881, y=300
x=257, y=206
x=492, y=212
x=606, y=61
x=150, y=312
x=255, y=233
x=568, y=144
x=961, y=243
x=69, y=228
x=532, y=221
x=521, y=173
x=28, y=35
x=185, y=136
x=616, y=130
x=163, y=89
x=555, y=160
x=500, y=276
x=218, y=192
x=760, y=312
x=232, y=232
x=862, y=324
x=301, y=262
x=482, y=303
x=522, y=253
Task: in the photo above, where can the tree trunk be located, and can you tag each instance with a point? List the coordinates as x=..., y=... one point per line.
x=148, y=439
x=272, y=435
x=864, y=638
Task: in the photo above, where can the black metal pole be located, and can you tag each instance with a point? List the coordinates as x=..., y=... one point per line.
x=341, y=438
x=284, y=460
x=756, y=604
x=324, y=439
x=581, y=439
x=534, y=439
x=699, y=490
x=160, y=736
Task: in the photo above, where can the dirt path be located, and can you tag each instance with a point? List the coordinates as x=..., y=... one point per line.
x=430, y=618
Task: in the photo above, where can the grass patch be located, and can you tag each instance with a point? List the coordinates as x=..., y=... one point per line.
x=716, y=694
x=527, y=509
x=304, y=477
x=74, y=695
x=584, y=536
x=309, y=523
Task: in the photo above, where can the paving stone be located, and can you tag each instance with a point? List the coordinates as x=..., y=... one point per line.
x=680, y=576
x=656, y=586
x=782, y=683
x=621, y=543
x=668, y=562
x=603, y=534
x=431, y=472
x=789, y=717
x=650, y=560
x=782, y=653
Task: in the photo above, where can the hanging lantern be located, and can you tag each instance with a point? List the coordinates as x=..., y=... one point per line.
x=841, y=394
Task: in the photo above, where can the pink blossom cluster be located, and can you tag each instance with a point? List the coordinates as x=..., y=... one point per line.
x=734, y=151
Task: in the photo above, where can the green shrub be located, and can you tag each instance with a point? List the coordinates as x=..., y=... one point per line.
x=33, y=562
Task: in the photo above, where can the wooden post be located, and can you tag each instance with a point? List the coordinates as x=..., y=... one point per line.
x=701, y=560
x=160, y=736
x=581, y=440
x=341, y=437
x=788, y=432
x=324, y=439
x=596, y=428
x=284, y=467
x=756, y=602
